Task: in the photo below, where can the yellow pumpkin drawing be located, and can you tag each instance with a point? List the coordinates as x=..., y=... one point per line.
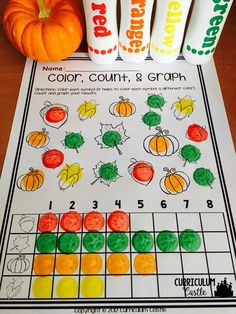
x=31, y=181
x=174, y=182
x=38, y=139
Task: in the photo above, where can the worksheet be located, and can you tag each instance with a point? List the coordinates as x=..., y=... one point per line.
x=118, y=191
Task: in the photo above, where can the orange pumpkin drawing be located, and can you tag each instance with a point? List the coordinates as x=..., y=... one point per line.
x=31, y=181
x=44, y=30
x=122, y=108
x=38, y=139
x=161, y=144
x=174, y=182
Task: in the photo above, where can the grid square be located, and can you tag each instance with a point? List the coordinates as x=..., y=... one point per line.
x=213, y=221
x=169, y=263
x=67, y=261
x=154, y=241
x=59, y=285
x=145, y=286
x=201, y=247
x=34, y=278
x=136, y=256
x=115, y=258
x=82, y=243
x=21, y=243
x=15, y=287
x=200, y=290
x=128, y=245
x=93, y=267
x=165, y=221
x=88, y=287
x=177, y=248
x=220, y=263
x=189, y=221
x=141, y=221
x=168, y=287
x=18, y=265
x=118, y=286
x=24, y=223
x=217, y=242
x=194, y=263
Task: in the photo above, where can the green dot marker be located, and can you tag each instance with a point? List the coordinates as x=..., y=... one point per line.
x=151, y=119
x=203, y=177
x=190, y=240
x=142, y=241
x=68, y=242
x=188, y=48
x=111, y=138
x=93, y=241
x=74, y=141
x=46, y=242
x=167, y=241
x=108, y=171
x=156, y=101
x=190, y=153
x=117, y=241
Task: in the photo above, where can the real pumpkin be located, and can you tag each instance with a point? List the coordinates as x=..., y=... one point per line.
x=44, y=30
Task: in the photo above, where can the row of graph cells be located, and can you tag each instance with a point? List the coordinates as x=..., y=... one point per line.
x=160, y=143
x=118, y=255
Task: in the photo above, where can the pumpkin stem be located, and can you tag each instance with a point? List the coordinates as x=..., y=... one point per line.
x=44, y=12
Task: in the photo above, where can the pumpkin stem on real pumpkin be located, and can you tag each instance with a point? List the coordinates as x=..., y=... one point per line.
x=44, y=12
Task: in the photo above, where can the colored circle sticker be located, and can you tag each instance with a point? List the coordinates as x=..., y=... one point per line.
x=71, y=221
x=67, y=264
x=55, y=114
x=93, y=241
x=67, y=288
x=93, y=221
x=142, y=241
x=46, y=242
x=118, y=221
x=190, y=240
x=117, y=264
x=144, y=263
x=47, y=222
x=43, y=264
x=92, y=287
x=42, y=287
x=117, y=241
x=68, y=242
x=91, y=264
x=167, y=241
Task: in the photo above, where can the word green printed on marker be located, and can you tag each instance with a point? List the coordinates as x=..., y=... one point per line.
x=209, y=41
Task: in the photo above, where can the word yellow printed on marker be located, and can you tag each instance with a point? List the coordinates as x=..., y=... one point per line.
x=92, y=287
x=168, y=29
x=42, y=287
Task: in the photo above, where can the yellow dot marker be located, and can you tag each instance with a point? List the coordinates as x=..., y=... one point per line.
x=67, y=288
x=42, y=287
x=92, y=287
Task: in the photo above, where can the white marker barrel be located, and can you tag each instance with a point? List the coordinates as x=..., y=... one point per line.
x=204, y=29
x=134, y=37
x=168, y=29
x=102, y=33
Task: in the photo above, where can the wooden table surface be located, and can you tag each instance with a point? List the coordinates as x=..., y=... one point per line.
x=12, y=64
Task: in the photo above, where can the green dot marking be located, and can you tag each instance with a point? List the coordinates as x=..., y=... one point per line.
x=188, y=48
x=117, y=241
x=190, y=153
x=111, y=138
x=203, y=177
x=190, y=240
x=194, y=50
x=156, y=101
x=152, y=118
x=142, y=241
x=167, y=241
x=74, y=140
x=68, y=242
x=200, y=52
x=93, y=241
x=207, y=52
x=108, y=171
x=46, y=242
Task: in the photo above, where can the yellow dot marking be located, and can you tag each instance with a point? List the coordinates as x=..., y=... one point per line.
x=67, y=288
x=92, y=287
x=42, y=287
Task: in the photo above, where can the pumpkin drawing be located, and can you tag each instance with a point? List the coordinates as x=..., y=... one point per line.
x=174, y=182
x=44, y=30
x=38, y=139
x=18, y=265
x=161, y=144
x=122, y=108
x=31, y=181
x=183, y=107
